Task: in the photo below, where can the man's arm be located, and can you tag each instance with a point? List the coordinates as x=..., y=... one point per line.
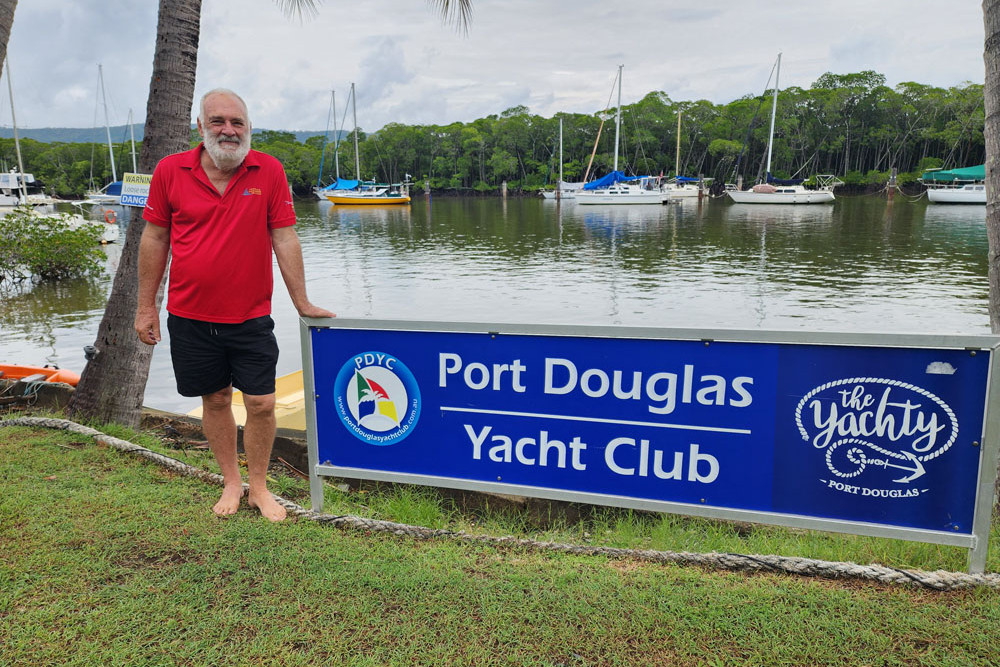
x=288, y=251
x=154, y=249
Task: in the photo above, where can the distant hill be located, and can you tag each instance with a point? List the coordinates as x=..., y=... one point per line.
x=119, y=134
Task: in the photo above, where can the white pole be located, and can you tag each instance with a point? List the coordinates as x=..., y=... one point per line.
x=107, y=126
x=618, y=114
x=22, y=186
x=131, y=129
x=326, y=140
x=357, y=158
x=559, y=184
x=336, y=131
x=774, y=111
x=677, y=157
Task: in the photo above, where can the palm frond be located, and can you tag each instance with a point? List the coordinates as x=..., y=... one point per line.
x=456, y=12
x=298, y=8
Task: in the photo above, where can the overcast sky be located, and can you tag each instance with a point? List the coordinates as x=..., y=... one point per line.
x=411, y=68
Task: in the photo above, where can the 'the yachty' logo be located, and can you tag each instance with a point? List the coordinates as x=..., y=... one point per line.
x=875, y=433
x=377, y=398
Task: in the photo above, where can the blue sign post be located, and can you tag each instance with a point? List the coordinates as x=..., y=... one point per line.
x=880, y=435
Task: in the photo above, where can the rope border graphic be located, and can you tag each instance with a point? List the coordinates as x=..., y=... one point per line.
x=892, y=383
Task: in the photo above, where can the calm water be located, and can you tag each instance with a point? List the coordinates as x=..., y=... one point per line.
x=856, y=265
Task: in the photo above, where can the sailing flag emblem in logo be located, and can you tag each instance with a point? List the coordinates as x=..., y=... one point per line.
x=377, y=398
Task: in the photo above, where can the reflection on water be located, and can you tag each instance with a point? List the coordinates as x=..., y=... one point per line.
x=856, y=265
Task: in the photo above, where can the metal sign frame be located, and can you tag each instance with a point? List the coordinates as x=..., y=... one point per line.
x=976, y=540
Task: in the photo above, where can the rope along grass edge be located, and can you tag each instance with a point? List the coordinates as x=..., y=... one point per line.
x=940, y=580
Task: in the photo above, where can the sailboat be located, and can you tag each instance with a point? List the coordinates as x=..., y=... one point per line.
x=112, y=192
x=320, y=190
x=956, y=186
x=778, y=191
x=681, y=186
x=358, y=192
x=17, y=194
x=563, y=189
x=616, y=187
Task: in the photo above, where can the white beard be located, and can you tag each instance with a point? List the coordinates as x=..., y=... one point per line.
x=225, y=158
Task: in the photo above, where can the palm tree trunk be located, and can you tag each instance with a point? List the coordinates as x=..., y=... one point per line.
x=112, y=385
x=7, y=8
x=991, y=92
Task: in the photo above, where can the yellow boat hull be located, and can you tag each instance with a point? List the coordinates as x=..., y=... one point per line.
x=289, y=404
x=342, y=200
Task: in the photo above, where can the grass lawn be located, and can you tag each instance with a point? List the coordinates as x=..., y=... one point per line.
x=110, y=560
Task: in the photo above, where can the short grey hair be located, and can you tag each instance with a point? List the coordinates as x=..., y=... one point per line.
x=221, y=91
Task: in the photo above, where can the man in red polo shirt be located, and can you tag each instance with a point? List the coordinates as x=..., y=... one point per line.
x=222, y=209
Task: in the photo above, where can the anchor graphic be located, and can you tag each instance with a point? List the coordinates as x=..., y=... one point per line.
x=917, y=470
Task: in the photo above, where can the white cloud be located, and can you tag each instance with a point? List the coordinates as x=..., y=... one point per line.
x=409, y=67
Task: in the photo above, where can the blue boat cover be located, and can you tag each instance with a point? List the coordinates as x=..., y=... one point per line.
x=686, y=179
x=114, y=188
x=784, y=181
x=611, y=179
x=342, y=184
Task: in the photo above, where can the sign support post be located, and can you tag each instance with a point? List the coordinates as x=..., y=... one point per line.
x=986, y=496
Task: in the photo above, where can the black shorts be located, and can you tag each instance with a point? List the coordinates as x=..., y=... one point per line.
x=208, y=357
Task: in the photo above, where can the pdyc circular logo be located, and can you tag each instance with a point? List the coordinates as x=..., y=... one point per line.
x=377, y=398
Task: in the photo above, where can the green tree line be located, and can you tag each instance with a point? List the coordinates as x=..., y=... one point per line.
x=849, y=125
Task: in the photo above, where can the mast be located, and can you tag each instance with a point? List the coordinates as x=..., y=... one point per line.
x=618, y=114
x=131, y=129
x=22, y=186
x=559, y=183
x=774, y=111
x=107, y=126
x=677, y=155
x=336, y=141
x=357, y=158
x=326, y=138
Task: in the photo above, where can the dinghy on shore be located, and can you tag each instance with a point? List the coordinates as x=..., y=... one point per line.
x=47, y=373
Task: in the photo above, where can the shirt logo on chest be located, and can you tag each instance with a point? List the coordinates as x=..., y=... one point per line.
x=252, y=191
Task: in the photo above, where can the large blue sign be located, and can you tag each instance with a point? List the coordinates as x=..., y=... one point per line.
x=886, y=435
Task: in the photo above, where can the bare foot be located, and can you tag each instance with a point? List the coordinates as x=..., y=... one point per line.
x=230, y=501
x=268, y=507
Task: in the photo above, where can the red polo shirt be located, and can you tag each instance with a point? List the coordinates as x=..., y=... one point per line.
x=221, y=243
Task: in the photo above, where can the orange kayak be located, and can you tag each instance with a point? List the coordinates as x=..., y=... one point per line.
x=47, y=373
